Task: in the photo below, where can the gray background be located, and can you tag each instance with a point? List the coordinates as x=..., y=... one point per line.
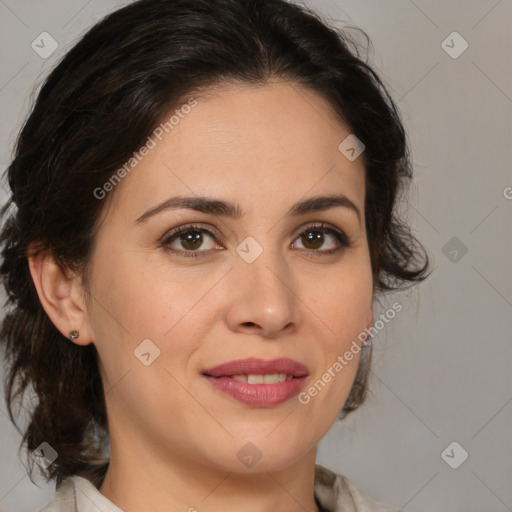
x=441, y=367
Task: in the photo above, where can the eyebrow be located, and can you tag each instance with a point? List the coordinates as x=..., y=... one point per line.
x=226, y=209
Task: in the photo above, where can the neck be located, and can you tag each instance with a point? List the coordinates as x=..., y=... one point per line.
x=138, y=480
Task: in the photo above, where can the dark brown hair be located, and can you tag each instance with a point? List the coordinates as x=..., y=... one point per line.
x=97, y=107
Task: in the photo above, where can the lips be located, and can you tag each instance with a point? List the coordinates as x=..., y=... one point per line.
x=255, y=366
x=253, y=381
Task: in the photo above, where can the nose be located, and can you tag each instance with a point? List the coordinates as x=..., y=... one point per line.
x=262, y=299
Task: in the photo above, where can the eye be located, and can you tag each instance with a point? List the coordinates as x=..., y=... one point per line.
x=192, y=240
x=189, y=240
x=313, y=237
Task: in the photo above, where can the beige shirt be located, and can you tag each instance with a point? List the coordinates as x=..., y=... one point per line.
x=333, y=493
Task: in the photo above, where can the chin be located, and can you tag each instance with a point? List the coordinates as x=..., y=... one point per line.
x=254, y=454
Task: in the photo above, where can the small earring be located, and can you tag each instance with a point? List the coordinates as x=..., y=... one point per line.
x=73, y=335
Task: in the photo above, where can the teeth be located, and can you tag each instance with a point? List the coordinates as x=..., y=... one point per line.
x=257, y=379
x=270, y=378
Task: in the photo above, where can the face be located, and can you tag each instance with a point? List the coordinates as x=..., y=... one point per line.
x=273, y=281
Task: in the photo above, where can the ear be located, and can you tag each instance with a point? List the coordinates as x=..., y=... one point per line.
x=61, y=295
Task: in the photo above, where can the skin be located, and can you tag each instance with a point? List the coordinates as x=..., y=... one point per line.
x=174, y=437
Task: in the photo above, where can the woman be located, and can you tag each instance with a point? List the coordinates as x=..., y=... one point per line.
x=202, y=213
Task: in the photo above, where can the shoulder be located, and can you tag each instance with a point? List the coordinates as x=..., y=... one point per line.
x=77, y=494
x=64, y=499
x=336, y=493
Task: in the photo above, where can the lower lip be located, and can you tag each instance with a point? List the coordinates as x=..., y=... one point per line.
x=259, y=395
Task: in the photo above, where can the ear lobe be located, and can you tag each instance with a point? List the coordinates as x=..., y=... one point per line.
x=60, y=295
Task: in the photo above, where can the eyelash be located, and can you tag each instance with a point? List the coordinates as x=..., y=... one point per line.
x=343, y=240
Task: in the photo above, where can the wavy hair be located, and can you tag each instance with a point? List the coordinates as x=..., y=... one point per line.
x=96, y=107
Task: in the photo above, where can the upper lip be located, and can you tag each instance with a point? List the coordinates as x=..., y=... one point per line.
x=257, y=366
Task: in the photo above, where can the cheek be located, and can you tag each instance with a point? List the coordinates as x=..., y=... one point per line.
x=138, y=296
x=134, y=304
x=343, y=302
x=137, y=300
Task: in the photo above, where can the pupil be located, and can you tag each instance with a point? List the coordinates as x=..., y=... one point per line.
x=315, y=239
x=192, y=238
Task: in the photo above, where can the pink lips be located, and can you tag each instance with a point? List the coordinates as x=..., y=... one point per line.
x=257, y=367
x=258, y=395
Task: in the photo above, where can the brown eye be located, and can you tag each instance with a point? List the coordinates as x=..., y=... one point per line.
x=313, y=238
x=190, y=241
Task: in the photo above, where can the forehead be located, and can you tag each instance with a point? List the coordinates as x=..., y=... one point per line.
x=261, y=120
x=267, y=142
